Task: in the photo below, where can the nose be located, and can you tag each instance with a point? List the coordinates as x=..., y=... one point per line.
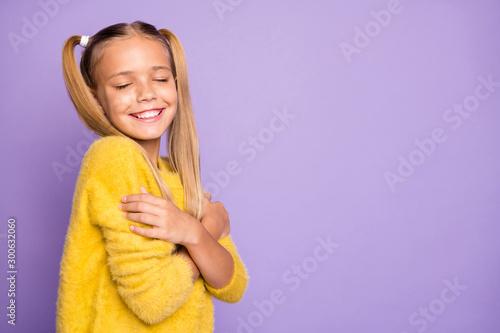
x=145, y=92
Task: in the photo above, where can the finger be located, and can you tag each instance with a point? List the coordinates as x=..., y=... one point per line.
x=141, y=207
x=142, y=231
x=141, y=218
x=146, y=197
x=208, y=196
x=138, y=196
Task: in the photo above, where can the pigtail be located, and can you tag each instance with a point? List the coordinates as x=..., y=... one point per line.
x=184, y=155
x=80, y=94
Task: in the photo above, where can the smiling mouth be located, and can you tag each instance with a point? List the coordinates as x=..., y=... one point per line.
x=147, y=114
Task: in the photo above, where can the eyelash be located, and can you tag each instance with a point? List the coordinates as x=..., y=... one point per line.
x=126, y=85
x=122, y=87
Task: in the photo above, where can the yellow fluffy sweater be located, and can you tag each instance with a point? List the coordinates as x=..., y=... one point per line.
x=113, y=280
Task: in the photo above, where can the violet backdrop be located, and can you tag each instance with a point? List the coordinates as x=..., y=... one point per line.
x=354, y=145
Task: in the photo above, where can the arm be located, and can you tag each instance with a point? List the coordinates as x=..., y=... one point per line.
x=215, y=219
x=228, y=286
x=217, y=264
x=151, y=279
x=183, y=252
x=173, y=225
x=234, y=291
x=214, y=262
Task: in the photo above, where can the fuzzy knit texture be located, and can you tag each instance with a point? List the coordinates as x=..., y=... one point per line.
x=113, y=280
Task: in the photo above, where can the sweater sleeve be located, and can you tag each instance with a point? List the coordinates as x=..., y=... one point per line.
x=151, y=279
x=234, y=291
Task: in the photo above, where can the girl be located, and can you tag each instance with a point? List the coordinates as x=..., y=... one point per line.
x=145, y=248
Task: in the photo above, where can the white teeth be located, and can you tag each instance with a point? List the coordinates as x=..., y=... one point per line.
x=149, y=114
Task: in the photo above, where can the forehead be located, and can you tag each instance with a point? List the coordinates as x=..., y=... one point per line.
x=134, y=53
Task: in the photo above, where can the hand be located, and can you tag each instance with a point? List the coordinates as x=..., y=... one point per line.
x=169, y=222
x=215, y=218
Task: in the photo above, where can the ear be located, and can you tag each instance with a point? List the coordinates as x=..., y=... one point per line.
x=94, y=93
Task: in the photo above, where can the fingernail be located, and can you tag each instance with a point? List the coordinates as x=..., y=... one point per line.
x=132, y=227
x=120, y=207
x=124, y=198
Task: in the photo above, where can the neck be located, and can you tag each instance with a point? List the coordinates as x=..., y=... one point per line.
x=152, y=148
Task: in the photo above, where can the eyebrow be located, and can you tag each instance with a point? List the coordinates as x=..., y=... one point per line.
x=154, y=68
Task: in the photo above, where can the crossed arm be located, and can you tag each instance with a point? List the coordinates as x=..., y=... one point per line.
x=199, y=241
x=152, y=269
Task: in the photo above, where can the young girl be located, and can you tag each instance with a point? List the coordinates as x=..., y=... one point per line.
x=145, y=248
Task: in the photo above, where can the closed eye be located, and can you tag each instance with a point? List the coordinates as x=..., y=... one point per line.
x=123, y=86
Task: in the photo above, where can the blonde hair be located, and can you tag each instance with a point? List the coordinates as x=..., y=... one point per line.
x=182, y=141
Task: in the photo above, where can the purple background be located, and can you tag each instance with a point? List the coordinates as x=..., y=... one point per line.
x=319, y=174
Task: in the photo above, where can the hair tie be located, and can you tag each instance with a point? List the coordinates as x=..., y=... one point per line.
x=84, y=41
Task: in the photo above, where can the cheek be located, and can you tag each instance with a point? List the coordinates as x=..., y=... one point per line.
x=172, y=96
x=118, y=102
